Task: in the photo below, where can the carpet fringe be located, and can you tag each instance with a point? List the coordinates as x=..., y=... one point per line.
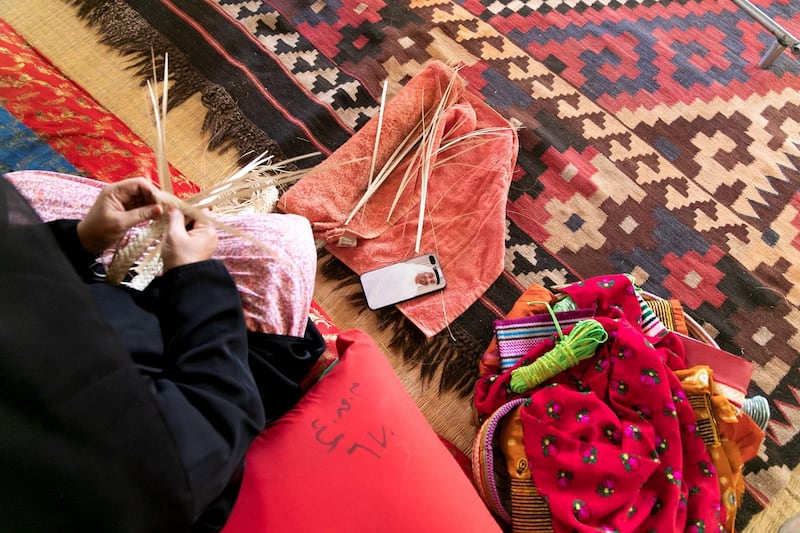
x=457, y=356
x=124, y=30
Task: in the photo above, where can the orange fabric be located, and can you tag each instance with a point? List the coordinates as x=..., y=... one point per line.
x=739, y=439
x=678, y=318
x=464, y=219
x=512, y=444
x=745, y=433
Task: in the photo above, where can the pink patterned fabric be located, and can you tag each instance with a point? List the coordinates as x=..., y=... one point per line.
x=276, y=286
x=613, y=442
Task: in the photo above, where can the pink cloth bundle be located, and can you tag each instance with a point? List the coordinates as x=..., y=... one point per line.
x=465, y=206
x=276, y=286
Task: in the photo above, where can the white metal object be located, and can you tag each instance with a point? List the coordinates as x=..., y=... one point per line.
x=783, y=39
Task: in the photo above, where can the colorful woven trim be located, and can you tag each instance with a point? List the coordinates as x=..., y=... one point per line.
x=517, y=336
x=706, y=425
x=529, y=509
x=656, y=315
x=671, y=314
x=483, y=468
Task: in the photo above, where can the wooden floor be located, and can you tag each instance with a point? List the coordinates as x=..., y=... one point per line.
x=51, y=26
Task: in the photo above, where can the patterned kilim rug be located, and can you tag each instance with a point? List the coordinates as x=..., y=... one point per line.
x=651, y=143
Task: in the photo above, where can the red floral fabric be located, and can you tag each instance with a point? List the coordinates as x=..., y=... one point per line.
x=612, y=442
x=62, y=114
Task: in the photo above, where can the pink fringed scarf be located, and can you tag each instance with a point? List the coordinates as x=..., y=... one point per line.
x=464, y=220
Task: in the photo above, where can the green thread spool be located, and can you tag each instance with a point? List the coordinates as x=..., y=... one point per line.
x=580, y=344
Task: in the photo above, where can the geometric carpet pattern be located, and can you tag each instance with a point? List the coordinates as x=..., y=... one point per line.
x=650, y=143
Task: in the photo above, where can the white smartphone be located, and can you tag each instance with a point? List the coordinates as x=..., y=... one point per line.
x=402, y=281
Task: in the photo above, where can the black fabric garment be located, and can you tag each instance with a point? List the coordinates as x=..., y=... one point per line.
x=141, y=319
x=280, y=363
x=181, y=343
x=186, y=333
x=84, y=445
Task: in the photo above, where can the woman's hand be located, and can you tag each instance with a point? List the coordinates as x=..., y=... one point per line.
x=181, y=246
x=118, y=208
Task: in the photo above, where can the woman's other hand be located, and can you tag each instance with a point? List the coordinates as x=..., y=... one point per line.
x=118, y=208
x=181, y=246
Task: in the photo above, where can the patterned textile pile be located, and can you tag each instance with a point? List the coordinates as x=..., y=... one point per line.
x=651, y=143
x=633, y=437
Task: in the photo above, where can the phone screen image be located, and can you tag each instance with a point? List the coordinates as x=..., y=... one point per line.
x=402, y=281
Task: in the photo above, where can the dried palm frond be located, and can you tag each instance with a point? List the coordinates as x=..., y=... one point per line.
x=419, y=152
x=428, y=148
x=125, y=257
x=378, y=133
x=258, y=174
x=136, y=245
x=229, y=196
x=395, y=159
x=147, y=269
x=232, y=194
x=160, y=118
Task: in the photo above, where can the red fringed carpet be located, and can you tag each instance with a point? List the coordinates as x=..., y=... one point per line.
x=651, y=143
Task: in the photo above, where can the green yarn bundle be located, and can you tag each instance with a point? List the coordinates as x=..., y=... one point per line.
x=580, y=344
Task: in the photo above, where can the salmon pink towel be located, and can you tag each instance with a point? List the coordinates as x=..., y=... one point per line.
x=464, y=220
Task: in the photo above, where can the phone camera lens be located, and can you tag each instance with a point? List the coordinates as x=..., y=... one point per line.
x=432, y=259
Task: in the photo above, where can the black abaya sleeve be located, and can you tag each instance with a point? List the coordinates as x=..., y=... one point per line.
x=83, y=445
x=280, y=363
x=66, y=234
x=89, y=443
x=206, y=390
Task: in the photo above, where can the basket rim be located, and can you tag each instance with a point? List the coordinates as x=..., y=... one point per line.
x=696, y=331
